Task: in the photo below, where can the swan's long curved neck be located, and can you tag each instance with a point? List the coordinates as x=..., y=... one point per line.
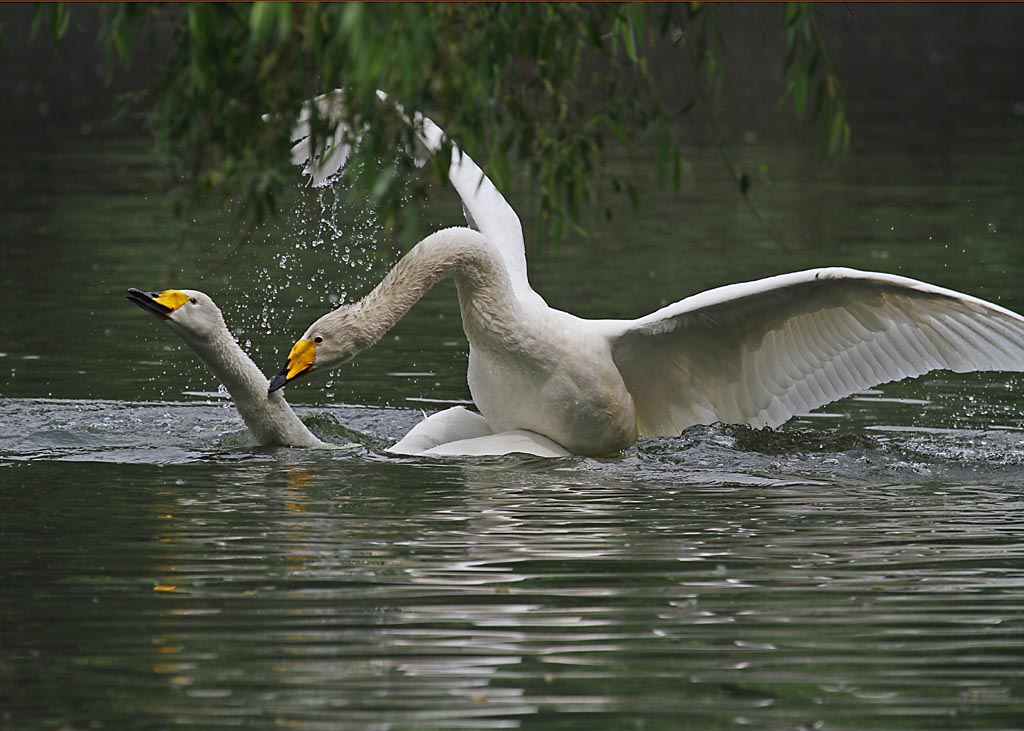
x=270, y=421
x=460, y=253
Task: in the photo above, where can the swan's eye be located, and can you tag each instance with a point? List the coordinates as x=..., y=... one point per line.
x=192, y=300
x=318, y=339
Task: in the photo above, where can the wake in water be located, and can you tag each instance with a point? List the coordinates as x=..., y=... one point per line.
x=210, y=431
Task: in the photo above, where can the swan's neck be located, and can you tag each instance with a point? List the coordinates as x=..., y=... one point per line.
x=270, y=420
x=460, y=253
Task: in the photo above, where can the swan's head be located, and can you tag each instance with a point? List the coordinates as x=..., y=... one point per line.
x=191, y=314
x=334, y=339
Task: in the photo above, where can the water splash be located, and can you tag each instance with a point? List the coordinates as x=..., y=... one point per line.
x=322, y=254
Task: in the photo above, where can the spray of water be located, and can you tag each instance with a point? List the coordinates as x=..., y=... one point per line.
x=328, y=249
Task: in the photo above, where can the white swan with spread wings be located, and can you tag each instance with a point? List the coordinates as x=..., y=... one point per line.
x=755, y=353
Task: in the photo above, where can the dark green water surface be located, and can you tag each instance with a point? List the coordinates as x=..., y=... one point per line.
x=861, y=568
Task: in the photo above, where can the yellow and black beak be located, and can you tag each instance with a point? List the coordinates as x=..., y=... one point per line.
x=300, y=360
x=161, y=304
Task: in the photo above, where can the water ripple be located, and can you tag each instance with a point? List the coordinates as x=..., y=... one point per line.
x=727, y=578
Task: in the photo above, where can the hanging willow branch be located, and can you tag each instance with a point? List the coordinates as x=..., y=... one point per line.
x=542, y=88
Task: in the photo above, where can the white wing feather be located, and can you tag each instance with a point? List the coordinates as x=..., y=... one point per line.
x=333, y=152
x=761, y=352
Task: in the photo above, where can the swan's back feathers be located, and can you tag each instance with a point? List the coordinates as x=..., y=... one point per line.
x=761, y=352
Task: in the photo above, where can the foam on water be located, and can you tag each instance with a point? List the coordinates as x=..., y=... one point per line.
x=207, y=430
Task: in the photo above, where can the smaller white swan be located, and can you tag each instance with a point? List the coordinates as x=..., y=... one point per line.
x=197, y=320
x=194, y=317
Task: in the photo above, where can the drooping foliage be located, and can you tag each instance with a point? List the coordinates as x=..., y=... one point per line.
x=542, y=88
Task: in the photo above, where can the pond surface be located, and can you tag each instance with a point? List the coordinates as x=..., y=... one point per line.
x=860, y=568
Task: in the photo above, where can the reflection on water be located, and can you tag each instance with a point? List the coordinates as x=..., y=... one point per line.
x=155, y=567
x=324, y=591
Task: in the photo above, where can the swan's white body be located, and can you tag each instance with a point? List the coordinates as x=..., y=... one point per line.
x=755, y=353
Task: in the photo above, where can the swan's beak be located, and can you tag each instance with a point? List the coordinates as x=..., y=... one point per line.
x=300, y=360
x=161, y=304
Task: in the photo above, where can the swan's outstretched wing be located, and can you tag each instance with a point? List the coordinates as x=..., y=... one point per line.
x=485, y=208
x=760, y=352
